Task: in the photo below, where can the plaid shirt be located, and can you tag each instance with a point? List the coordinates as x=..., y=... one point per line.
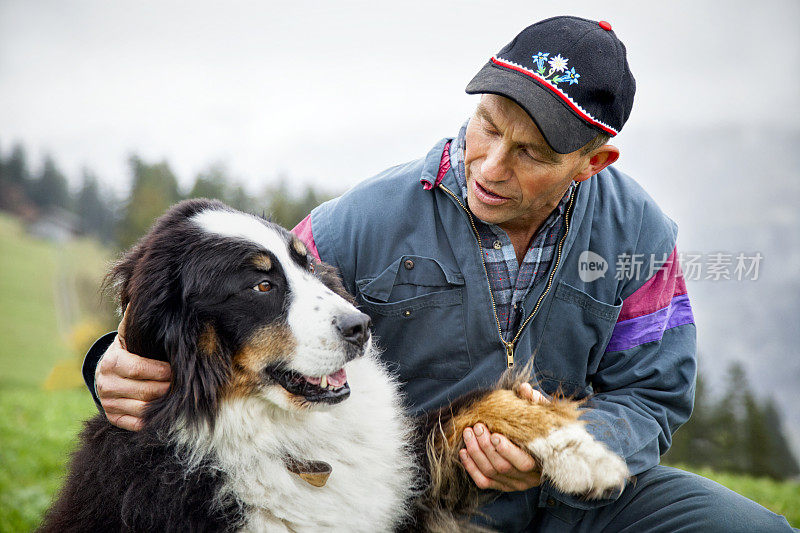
x=509, y=281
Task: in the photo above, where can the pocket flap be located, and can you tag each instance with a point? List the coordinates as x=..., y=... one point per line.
x=409, y=270
x=568, y=293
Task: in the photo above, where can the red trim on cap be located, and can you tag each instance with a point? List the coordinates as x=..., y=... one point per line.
x=605, y=25
x=558, y=93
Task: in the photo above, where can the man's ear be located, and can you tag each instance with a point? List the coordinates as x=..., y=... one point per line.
x=598, y=160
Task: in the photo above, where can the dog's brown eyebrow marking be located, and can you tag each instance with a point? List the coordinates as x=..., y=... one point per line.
x=263, y=262
x=299, y=247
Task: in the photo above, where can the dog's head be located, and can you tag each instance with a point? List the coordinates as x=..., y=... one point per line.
x=238, y=307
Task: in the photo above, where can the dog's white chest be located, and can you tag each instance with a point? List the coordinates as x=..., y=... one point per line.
x=363, y=439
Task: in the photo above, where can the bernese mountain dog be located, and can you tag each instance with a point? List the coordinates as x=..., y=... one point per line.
x=280, y=416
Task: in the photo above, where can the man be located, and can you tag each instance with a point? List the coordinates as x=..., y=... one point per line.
x=494, y=250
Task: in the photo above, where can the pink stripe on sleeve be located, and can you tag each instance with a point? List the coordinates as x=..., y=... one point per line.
x=304, y=233
x=657, y=292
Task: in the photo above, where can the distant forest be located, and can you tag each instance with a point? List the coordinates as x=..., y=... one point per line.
x=736, y=432
x=119, y=222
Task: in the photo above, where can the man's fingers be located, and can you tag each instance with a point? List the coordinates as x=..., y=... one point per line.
x=131, y=423
x=125, y=383
x=112, y=386
x=529, y=393
x=494, y=462
x=477, y=455
x=119, y=362
x=124, y=406
x=499, y=464
x=518, y=458
x=481, y=481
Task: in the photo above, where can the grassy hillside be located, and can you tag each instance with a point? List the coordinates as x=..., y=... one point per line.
x=28, y=325
x=48, y=312
x=37, y=426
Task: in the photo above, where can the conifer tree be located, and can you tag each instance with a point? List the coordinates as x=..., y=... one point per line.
x=50, y=189
x=153, y=190
x=212, y=183
x=95, y=209
x=782, y=462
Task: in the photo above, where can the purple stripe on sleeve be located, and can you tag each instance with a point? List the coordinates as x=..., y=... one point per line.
x=648, y=328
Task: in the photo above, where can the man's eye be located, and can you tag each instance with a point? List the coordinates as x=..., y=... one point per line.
x=531, y=156
x=264, y=286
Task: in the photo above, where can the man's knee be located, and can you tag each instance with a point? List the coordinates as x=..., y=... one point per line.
x=684, y=500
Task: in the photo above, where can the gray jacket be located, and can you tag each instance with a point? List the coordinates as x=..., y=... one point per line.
x=625, y=340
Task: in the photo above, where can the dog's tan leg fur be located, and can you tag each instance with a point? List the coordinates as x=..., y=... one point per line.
x=522, y=421
x=568, y=455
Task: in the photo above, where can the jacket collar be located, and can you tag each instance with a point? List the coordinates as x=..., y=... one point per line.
x=430, y=167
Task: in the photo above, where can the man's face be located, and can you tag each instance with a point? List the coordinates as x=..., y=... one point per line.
x=514, y=179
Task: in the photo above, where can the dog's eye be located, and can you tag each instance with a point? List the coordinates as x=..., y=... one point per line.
x=264, y=286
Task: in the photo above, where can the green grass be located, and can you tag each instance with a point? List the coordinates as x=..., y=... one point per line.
x=38, y=427
x=32, y=342
x=37, y=430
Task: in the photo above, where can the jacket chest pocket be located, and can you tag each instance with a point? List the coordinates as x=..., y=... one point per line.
x=417, y=311
x=573, y=341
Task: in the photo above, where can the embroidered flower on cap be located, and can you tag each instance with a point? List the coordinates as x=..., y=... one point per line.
x=558, y=64
x=571, y=76
x=558, y=69
x=539, y=59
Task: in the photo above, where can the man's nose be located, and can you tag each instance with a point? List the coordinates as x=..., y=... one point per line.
x=496, y=165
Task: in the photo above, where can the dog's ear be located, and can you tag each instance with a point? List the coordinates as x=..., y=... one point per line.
x=197, y=376
x=161, y=324
x=148, y=282
x=119, y=284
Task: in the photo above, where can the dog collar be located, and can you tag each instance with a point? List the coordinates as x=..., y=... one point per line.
x=312, y=472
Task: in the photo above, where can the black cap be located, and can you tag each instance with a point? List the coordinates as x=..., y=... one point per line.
x=570, y=75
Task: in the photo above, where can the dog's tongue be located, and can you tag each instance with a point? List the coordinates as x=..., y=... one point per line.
x=337, y=379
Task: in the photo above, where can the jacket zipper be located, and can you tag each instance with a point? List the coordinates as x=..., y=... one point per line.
x=509, y=346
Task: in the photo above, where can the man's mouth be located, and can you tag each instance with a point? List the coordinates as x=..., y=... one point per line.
x=331, y=388
x=486, y=196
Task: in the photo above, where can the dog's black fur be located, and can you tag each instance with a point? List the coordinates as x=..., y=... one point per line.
x=134, y=481
x=107, y=488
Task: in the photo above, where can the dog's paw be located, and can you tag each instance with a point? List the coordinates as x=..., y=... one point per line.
x=576, y=463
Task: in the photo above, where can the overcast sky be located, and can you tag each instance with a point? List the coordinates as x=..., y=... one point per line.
x=332, y=92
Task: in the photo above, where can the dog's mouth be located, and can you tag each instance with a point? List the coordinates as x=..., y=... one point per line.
x=332, y=388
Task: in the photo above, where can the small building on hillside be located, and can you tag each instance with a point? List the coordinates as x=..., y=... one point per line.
x=56, y=225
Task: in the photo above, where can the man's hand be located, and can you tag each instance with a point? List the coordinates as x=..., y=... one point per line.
x=496, y=463
x=126, y=383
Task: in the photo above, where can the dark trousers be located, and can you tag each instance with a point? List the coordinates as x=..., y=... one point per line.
x=661, y=499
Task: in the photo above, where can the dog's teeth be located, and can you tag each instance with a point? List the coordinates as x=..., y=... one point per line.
x=324, y=382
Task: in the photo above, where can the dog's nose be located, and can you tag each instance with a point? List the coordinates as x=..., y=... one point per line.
x=354, y=327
